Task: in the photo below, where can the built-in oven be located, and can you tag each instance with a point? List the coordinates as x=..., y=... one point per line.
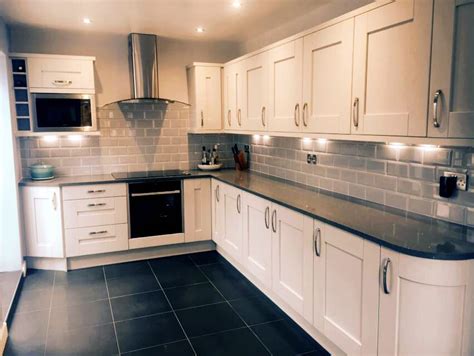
x=156, y=213
x=63, y=112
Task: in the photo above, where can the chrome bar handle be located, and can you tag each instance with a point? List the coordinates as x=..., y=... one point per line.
x=202, y=118
x=386, y=264
x=61, y=83
x=263, y=116
x=218, y=194
x=239, y=117
x=229, y=117
x=317, y=241
x=98, y=232
x=274, y=220
x=355, y=112
x=54, y=201
x=96, y=191
x=97, y=204
x=267, y=217
x=435, y=108
x=239, y=203
x=297, y=115
x=305, y=111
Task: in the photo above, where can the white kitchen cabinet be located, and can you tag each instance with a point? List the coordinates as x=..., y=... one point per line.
x=232, y=239
x=95, y=212
x=390, y=89
x=285, y=87
x=327, y=79
x=64, y=74
x=217, y=212
x=424, y=306
x=255, y=92
x=197, y=204
x=452, y=72
x=346, y=284
x=205, y=96
x=292, y=277
x=42, y=221
x=257, y=237
x=233, y=96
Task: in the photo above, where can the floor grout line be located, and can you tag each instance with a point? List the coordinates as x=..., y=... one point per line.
x=171, y=306
x=49, y=314
x=152, y=347
x=111, y=311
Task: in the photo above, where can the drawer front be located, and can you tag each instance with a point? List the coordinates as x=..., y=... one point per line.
x=94, y=191
x=99, y=239
x=95, y=212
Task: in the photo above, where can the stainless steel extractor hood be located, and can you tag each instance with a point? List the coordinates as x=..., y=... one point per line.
x=143, y=64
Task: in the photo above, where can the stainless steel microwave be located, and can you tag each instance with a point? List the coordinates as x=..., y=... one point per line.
x=63, y=112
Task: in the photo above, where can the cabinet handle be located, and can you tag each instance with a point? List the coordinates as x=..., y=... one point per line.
x=96, y=204
x=274, y=220
x=305, y=109
x=267, y=217
x=229, y=117
x=386, y=264
x=61, y=83
x=355, y=112
x=297, y=115
x=54, y=201
x=96, y=191
x=98, y=232
x=435, y=108
x=239, y=203
x=317, y=241
x=263, y=116
x=202, y=118
x=218, y=191
x=239, y=117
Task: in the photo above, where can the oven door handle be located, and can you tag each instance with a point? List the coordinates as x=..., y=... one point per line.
x=168, y=192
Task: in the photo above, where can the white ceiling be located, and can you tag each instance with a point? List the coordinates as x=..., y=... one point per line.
x=168, y=18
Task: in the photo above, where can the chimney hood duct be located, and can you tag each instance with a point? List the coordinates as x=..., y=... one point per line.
x=143, y=65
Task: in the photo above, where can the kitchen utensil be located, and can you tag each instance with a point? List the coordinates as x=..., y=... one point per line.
x=41, y=171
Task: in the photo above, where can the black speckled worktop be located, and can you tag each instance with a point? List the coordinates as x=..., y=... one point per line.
x=398, y=230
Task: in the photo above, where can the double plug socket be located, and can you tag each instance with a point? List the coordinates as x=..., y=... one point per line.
x=311, y=158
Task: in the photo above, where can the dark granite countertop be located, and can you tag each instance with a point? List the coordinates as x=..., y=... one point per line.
x=395, y=229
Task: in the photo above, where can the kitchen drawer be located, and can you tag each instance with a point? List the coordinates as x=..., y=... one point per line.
x=98, y=239
x=95, y=212
x=94, y=191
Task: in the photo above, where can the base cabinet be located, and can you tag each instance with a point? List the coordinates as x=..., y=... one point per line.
x=232, y=239
x=197, y=220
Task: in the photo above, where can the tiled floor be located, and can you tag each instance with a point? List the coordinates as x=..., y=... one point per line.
x=183, y=305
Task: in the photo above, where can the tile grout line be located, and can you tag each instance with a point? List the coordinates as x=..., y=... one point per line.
x=152, y=347
x=49, y=313
x=230, y=305
x=111, y=311
x=171, y=306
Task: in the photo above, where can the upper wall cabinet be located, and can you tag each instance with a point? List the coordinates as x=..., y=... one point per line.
x=233, y=85
x=451, y=107
x=391, y=69
x=205, y=96
x=327, y=79
x=285, y=87
x=255, y=90
x=49, y=74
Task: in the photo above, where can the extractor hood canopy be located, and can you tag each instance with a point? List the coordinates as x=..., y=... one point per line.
x=143, y=64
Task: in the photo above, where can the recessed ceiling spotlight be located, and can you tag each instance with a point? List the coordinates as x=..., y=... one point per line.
x=200, y=29
x=236, y=4
x=86, y=20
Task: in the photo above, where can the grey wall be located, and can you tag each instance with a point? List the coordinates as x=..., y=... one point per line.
x=111, y=52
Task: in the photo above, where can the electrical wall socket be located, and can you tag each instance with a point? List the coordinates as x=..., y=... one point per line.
x=461, y=181
x=311, y=158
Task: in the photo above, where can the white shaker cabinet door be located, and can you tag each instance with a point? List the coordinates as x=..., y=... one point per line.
x=451, y=109
x=292, y=259
x=233, y=96
x=197, y=204
x=391, y=69
x=258, y=238
x=327, y=79
x=43, y=221
x=346, y=280
x=232, y=241
x=285, y=87
x=255, y=92
x=423, y=306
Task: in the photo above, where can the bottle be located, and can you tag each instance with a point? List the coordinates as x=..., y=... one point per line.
x=204, y=155
x=209, y=156
x=214, y=155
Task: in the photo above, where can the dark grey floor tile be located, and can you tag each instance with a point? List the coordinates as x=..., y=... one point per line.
x=98, y=340
x=258, y=309
x=229, y=281
x=73, y=293
x=27, y=334
x=284, y=337
x=79, y=277
x=208, y=319
x=137, y=305
x=176, y=271
x=206, y=258
x=180, y=348
x=79, y=316
x=38, y=279
x=33, y=300
x=230, y=343
x=193, y=296
x=131, y=284
x=127, y=269
x=148, y=331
